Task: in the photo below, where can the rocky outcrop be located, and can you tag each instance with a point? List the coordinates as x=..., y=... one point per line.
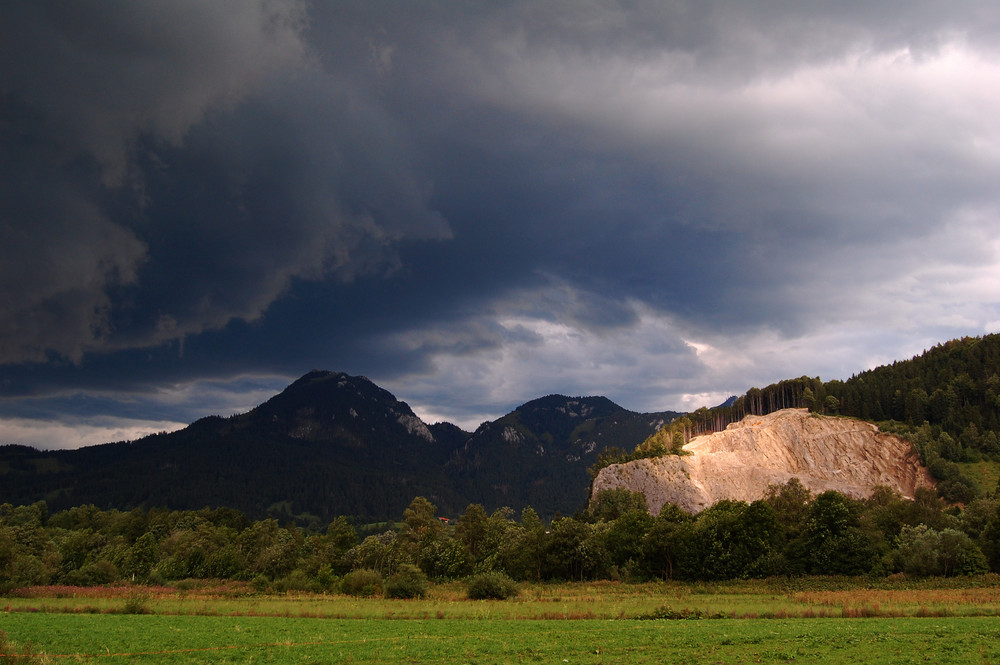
x=824, y=453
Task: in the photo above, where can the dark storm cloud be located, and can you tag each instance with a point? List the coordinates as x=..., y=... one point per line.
x=82, y=84
x=478, y=203
x=102, y=74
x=305, y=184
x=214, y=183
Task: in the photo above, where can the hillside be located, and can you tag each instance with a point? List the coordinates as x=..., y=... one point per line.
x=332, y=444
x=740, y=462
x=329, y=444
x=538, y=454
x=946, y=401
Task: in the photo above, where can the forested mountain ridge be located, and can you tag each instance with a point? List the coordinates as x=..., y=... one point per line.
x=550, y=441
x=951, y=386
x=331, y=444
x=327, y=445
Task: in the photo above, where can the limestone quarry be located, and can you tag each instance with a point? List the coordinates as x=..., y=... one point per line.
x=740, y=462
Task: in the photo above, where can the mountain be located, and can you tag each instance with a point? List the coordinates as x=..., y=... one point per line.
x=538, y=454
x=332, y=444
x=328, y=444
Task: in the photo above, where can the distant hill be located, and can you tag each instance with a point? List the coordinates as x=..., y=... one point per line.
x=538, y=454
x=743, y=461
x=945, y=400
x=332, y=444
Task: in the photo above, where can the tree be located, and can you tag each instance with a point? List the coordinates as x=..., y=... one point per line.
x=831, y=405
x=8, y=554
x=729, y=540
x=833, y=543
x=341, y=536
x=522, y=554
x=499, y=530
x=564, y=551
x=924, y=551
x=421, y=529
x=659, y=545
x=624, y=537
x=471, y=530
x=990, y=541
x=445, y=558
x=420, y=520
x=809, y=399
x=610, y=504
x=379, y=553
x=915, y=406
x=790, y=502
x=269, y=549
x=142, y=556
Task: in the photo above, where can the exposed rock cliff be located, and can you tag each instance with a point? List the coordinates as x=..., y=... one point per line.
x=825, y=453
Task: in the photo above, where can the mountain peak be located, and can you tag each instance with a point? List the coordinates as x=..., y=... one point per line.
x=573, y=407
x=324, y=404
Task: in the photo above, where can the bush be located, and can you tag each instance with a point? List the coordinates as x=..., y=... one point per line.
x=297, y=580
x=408, y=582
x=361, y=582
x=137, y=603
x=326, y=579
x=92, y=574
x=491, y=586
x=260, y=583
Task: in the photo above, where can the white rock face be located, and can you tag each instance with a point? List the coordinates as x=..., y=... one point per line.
x=416, y=426
x=511, y=435
x=739, y=463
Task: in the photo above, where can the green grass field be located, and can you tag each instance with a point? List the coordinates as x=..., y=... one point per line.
x=217, y=639
x=824, y=625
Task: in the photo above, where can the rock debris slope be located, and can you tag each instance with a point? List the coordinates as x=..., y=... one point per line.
x=824, y=453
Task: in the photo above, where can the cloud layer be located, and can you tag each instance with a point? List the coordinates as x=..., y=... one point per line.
x=474, y=205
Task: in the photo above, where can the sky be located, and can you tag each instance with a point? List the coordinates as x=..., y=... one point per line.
x=475, y=204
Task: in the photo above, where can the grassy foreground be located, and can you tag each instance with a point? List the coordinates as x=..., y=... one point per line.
x=829, y=622
x=217, y=639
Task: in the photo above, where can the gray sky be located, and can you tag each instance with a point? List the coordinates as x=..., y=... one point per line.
x=478, y=203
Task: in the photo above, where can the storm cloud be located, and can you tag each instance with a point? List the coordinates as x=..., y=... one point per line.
x=478, y=204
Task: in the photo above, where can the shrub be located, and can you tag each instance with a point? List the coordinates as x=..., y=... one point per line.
x=408, y=582
x=491, y=586
x=260, y=583
x=326, y=579
x=361, y=582
x=137, y=603
x=297, y=580
x=92, y=574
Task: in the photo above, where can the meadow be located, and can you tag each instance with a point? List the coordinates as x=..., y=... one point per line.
x=815, y=621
